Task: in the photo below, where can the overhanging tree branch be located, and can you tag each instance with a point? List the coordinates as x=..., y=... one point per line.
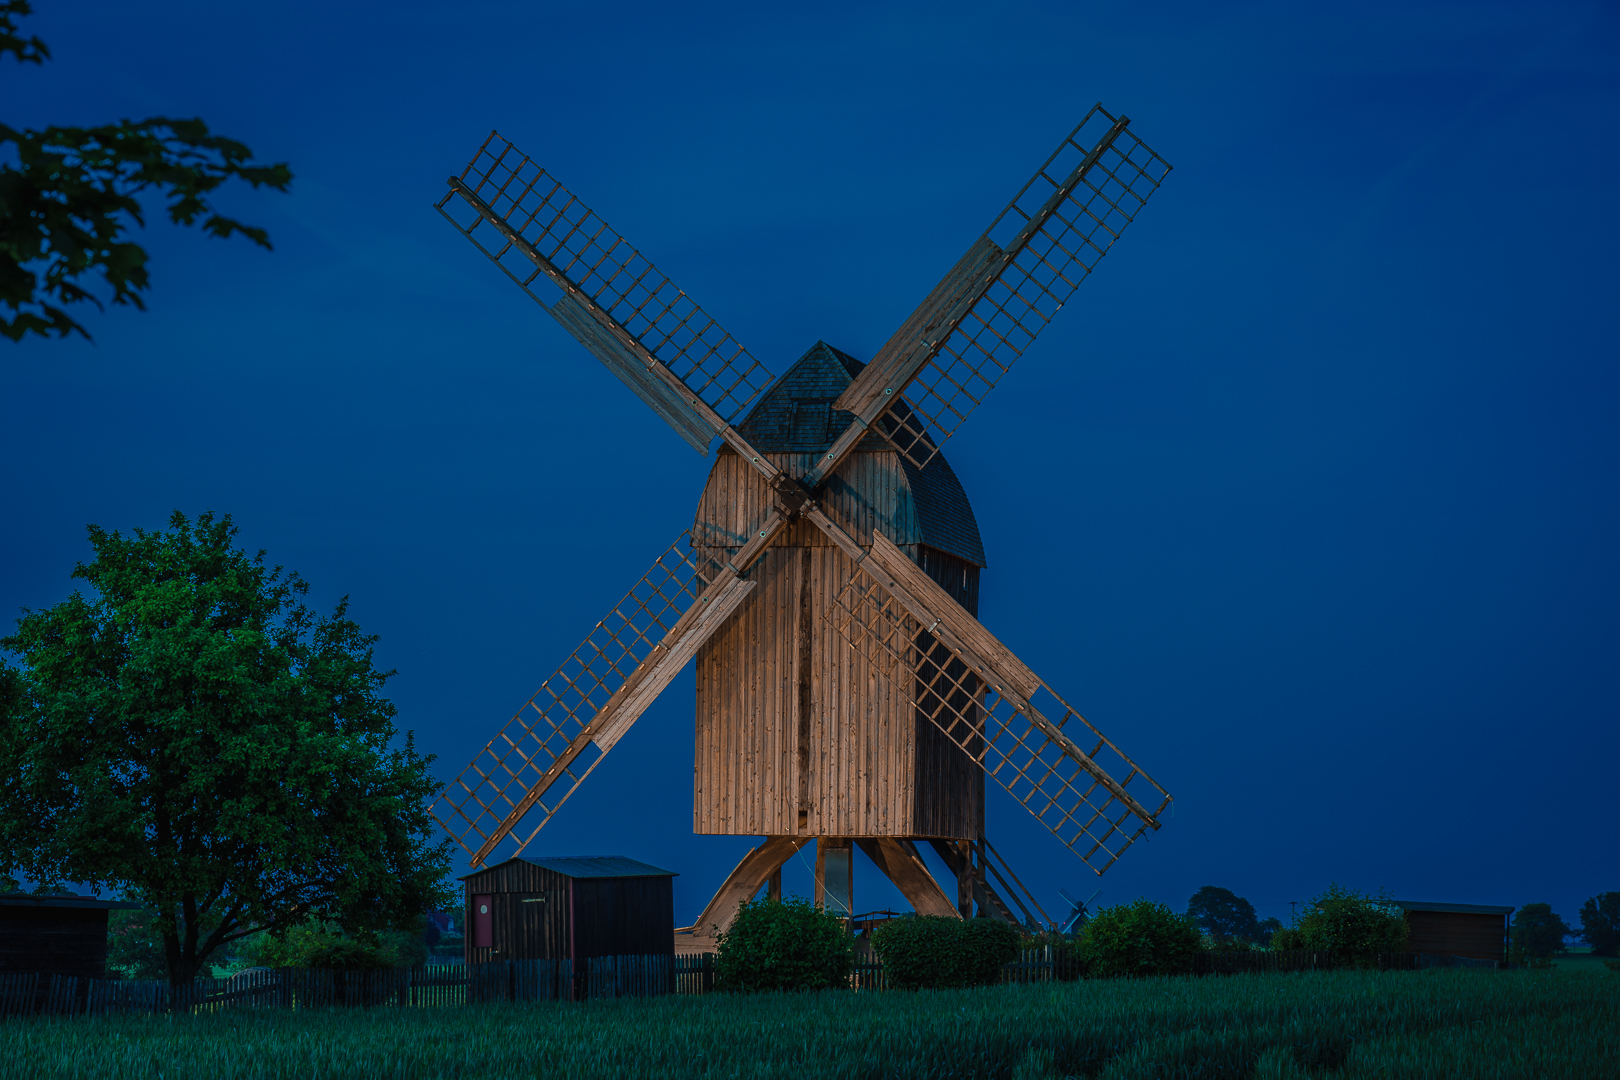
x=67, y=203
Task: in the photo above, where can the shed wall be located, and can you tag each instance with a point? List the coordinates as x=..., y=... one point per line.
x=529, y=913
x=624, y=916
x=54, y=941
x=1457, y=933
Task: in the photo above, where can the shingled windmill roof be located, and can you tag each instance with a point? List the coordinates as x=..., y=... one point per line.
x=796, y=416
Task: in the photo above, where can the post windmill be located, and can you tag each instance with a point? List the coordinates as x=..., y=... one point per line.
x=828, y=588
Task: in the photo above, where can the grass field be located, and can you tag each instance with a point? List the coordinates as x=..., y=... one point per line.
x=1438, y=1025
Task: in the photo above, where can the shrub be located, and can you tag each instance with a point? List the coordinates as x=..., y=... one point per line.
x=1287, y=939
x=1225, y=944
x=1352, y=928
x=784, y=945
x=935, y=952
x=1138, y=939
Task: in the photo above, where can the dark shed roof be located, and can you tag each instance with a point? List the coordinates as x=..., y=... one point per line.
x=82, y=903
x=588, y=867
x=1464, y=909
x=780, y=422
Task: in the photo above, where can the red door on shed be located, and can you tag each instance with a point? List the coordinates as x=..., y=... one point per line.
x=483, y=934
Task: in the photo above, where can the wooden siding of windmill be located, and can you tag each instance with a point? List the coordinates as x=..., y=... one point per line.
x=796, y=734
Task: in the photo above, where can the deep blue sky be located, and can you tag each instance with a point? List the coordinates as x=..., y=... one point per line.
x=1308, y=500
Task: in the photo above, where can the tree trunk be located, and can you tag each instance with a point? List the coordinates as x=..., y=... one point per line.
x=182, y=967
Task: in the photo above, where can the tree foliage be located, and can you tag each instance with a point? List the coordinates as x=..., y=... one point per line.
x=1352, y=928
x=135, y=947
x=1537, y=932
x=194, y=737
x=1136, y=940
x=322, y=943
x=784, y=945
x=1223, y=915
x=67, y=201
x=936, y=952
x=1600, y=923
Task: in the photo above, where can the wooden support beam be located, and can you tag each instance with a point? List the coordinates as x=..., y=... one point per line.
x=900, y=863
x=971, y=882
x=755, y=869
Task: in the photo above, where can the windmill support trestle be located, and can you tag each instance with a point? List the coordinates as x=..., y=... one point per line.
x=897, y=858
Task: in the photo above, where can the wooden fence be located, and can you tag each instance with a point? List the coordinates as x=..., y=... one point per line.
x=537, y=980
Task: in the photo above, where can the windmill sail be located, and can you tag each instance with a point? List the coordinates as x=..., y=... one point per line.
x=616, y=303
x=562, y=733
x=1009, y=285
x=961, y=679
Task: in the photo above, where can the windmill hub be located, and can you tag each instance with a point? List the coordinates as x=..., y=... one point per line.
x=828, y=587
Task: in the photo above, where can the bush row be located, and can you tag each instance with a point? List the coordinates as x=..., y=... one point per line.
x=792, y=945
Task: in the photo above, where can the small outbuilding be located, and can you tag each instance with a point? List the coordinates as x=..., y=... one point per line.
x=1477, y=931
x=572, y=907
x=55, y=935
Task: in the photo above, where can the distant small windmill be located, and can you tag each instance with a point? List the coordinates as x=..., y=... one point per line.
x=828, y=588
x=1079, y=910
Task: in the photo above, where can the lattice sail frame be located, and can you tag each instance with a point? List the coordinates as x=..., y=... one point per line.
x=591, y=254
x=1063, y=793
x=1037, y=282
x=488, y=790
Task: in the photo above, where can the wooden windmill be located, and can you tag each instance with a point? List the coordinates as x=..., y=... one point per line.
x=828, y=589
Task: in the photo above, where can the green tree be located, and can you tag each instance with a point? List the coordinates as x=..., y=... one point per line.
x=193, y=737
x=1537, y=932
x=1136, y=940
x=1223, y=915
x=1600, y=923
x=1352, y=928
x=784, y=945
x=71, y=192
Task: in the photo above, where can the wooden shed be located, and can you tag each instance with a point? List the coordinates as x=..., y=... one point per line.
x=571, y=907
x=1477, y=931
x=796, y=734
x=55, y=935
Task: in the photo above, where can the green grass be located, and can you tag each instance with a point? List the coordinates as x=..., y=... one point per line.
x=1574, y=962
x=1437, y=1025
